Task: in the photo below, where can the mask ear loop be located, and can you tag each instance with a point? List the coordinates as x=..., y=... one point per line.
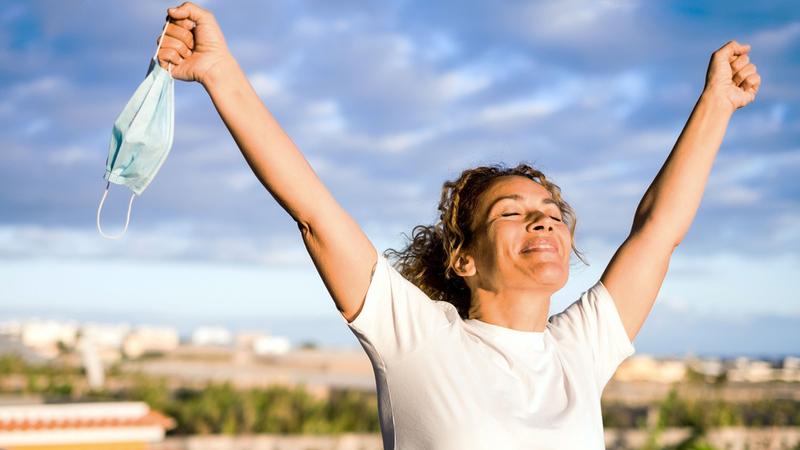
x=100, y=209
x=105, y=193
x=161, y=39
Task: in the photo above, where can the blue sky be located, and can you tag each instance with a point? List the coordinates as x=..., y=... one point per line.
x=387, y=100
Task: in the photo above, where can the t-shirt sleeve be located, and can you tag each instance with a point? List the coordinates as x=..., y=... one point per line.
x=397, y=317
x=593, y=322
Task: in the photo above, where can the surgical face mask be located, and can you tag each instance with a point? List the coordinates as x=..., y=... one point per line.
x=142, y=136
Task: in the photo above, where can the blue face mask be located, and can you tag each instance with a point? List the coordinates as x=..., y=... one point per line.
x=142, y=136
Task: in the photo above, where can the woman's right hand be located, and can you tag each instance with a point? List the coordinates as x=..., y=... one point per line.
x=193, y=43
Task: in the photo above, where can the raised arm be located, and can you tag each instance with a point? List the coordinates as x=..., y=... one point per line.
x=341, y=252
x=665, y=213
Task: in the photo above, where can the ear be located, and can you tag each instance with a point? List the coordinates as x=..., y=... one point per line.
x=464, y=265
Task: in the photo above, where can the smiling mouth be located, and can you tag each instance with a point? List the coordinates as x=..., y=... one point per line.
x=540, y=245
x=546, y=249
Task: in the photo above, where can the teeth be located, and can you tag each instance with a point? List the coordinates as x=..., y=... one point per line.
x=539, y=246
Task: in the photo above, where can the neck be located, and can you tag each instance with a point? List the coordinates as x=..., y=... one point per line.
x=522, y=310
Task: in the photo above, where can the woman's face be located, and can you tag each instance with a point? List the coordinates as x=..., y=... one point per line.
x=520, y=240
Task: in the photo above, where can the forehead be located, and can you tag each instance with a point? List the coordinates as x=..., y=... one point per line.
x=513, y=184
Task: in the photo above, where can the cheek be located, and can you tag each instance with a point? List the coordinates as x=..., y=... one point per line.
x=567, y=239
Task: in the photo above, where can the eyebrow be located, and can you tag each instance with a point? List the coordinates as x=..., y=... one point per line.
x=547, y=200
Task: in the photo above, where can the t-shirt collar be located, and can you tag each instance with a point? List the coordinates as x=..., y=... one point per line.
x=508, y=336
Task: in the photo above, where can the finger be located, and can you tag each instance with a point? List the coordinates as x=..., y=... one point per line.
x=181, y=34
x=752, y=83
x=731, y=49
x=736, y=65
x=740, y=76
x=184, y=23
x=189, y=10
x=169, y=55
x=171, y=42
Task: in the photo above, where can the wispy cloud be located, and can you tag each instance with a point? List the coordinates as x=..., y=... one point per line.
x=387, y=101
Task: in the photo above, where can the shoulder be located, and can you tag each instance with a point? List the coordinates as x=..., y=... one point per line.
x=581, y=316
x=449, y=310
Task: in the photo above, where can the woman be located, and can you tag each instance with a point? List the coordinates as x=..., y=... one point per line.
x=481, y=366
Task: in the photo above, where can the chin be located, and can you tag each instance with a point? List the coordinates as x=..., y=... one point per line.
x=553, y=275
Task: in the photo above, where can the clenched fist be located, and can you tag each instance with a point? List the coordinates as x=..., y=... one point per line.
x=732, y=76
x=193, y=43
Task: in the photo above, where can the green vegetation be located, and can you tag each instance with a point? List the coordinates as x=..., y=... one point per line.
x=704, y=414
x=700, y=416
x=215, y=409
x=224, y=409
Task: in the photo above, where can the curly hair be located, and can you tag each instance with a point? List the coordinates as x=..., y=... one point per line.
x=428, y=258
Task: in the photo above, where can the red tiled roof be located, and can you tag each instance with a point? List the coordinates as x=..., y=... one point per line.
x=152, y=418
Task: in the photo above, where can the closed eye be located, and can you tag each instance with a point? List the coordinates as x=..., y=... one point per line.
x=516, y=214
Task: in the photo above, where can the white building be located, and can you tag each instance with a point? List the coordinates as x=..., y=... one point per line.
x=212, y=336
x=105, y=335
x=262, y=344
x=11, y=329
x=791, y=369
x=753, y=371
x=44, y=336
x=271, y=345
x=105, y=339
x=647, y=368
x=146, y=339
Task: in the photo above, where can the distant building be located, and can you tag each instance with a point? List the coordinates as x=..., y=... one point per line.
x=271, y=345
x=11, y=329
x=710, y=368
x=212, y=336
x=647, y=368
x=753, y=371
x=82, y=426
x=147, y=339
x=105, y=335
x=45, y=336
x=791, y=369
x=106, y=339
x=263, y=344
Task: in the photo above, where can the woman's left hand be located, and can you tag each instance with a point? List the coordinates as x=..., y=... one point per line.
x=732, y=76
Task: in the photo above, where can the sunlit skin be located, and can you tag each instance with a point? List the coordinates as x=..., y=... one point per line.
x=511, y=288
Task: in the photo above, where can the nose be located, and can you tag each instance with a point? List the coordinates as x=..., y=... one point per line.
x=539, y=221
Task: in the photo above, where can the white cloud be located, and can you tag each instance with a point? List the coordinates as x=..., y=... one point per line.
x=510, y=111
x=71, y=155
x=735, y=195
x=38, y=87
x=309, y=26
x=168, y=241
x=241, y=180
x=324, y=118
x=265, y=84
x=569, y=20
x=460, y=83
x=767, y=121
x=775, y=39
x=648, y=141
x=439, y=46
x=36, y=126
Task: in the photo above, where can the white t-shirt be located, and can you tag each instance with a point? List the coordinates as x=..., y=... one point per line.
x=445, y=383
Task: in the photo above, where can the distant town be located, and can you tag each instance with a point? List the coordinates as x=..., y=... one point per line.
x=169, y=389
x=101, y=345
